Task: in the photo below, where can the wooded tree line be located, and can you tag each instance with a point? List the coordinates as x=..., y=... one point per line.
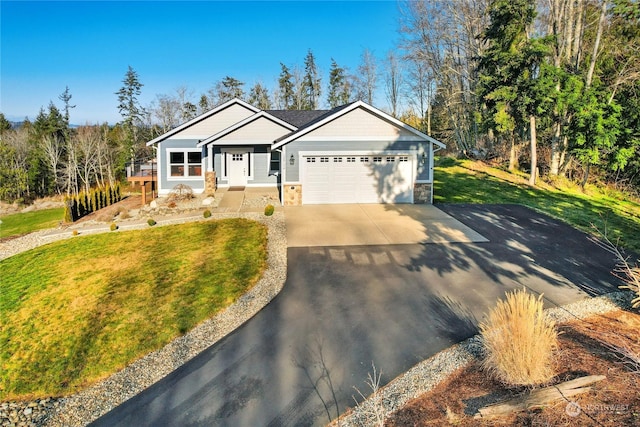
x=542, y=85
x=548, y=85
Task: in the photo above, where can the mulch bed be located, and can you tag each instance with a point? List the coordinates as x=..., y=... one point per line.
x=584, y=350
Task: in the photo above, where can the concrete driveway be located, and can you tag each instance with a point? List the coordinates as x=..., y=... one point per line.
x=367, y=224
x=296, y=363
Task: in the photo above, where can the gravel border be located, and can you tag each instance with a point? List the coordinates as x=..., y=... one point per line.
x=429, y=373
x=88, y=405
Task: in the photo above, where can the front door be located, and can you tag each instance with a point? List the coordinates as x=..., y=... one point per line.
x=238, y=168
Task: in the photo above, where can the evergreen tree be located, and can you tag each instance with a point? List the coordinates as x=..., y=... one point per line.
x=259, y=97
x=4, y=124
x=311, y=82
x=339, y=86
x=131, y=111
x=203, y=104
x=285, y=85
x=505, y=69
x=228, y=89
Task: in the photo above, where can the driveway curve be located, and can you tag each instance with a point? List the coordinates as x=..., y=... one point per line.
x=298, y=361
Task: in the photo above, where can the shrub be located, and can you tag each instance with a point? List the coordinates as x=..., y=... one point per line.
x=519, y=340
x=206, y=213
x=75, y=233
x=180, y=192
x=113, y=226
x=268, y=210
x=151, y=222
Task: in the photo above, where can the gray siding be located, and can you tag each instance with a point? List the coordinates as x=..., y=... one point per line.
x=260, y=165
x=295, y=147
x=166, y=182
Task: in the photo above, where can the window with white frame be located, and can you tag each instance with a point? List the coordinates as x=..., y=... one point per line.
x=185, y=163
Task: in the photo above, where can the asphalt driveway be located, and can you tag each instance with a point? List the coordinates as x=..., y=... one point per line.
x=345, y=307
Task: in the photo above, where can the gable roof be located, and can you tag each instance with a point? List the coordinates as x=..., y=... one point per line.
x=202, y=117
x=242, y=123
x=342, y=110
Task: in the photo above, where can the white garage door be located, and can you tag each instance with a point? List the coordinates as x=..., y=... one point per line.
x=357, y=179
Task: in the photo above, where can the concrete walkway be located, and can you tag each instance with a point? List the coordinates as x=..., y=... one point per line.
x=368, y=224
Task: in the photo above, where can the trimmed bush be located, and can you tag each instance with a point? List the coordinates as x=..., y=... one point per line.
x=75, y=233
x=206, y=213
x=114, y=226
x=519, y=341
x=151, y=222
x=268, y=210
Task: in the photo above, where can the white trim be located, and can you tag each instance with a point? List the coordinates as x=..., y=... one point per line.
x=186, y=138
x=238, y=143
x=210, y=158
x=201, y=117
x=361, y=138
x=249, y=185
x=423, y=181
x=344, y=153
x=168, y=151
x=243, y=123
x=293, y=183
x=224, y=174
x=358, y=104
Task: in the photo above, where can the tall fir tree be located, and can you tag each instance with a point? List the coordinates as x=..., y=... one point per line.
x=311, y=83
x=131, y=110
x=285, y=85
x=259, y=97
x=339, y=86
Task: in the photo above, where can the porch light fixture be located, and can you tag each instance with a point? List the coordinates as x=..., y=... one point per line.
x=424, y=158
x=292, y=160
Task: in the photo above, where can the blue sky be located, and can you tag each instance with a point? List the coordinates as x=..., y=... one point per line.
x=88, y=45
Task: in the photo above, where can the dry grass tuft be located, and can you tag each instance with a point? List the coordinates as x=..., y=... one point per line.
x=519, y=341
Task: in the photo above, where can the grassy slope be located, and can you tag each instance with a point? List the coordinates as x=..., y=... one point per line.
x=75, y=311
x=464, y=181
x=23, y=223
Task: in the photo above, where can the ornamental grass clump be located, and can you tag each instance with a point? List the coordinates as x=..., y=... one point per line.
x=519, y=341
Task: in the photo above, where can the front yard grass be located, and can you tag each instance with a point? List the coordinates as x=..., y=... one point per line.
x=466, y=181
x=75, y=311
x=23, y=223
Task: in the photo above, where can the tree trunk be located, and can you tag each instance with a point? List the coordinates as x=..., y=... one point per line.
x=513, y=154
x=586, y=175
x=596, y=44
x=534, y=150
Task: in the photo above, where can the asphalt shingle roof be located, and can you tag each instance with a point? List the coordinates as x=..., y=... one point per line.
x=303, y=118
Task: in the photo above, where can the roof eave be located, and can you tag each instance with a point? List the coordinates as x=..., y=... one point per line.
x=201, y=117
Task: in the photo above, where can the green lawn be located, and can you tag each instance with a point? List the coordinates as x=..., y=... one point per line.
x=75, y=311
x=23, y=223
x=464, y=181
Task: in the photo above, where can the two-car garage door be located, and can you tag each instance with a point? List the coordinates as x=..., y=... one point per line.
x=350, y=178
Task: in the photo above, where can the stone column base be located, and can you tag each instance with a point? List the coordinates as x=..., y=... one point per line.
x=210, y=183
x=422, y=193
x=293, y=195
